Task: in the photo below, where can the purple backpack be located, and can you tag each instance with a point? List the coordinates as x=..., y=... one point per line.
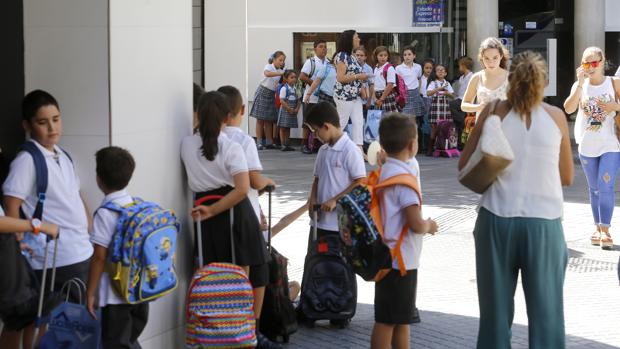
x=446, y=141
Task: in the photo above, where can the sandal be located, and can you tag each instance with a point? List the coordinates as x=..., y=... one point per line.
x=606, y=242
x=595, y=239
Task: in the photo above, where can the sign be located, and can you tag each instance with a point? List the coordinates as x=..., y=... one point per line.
x=509, y=44
x=427, y=13
x=530, y=25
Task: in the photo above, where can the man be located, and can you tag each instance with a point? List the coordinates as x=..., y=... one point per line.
x=308, y=73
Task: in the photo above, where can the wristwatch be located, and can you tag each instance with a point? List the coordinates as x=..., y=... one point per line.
x=36, y=225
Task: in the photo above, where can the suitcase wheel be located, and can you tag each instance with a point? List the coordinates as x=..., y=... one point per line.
x=341, y=324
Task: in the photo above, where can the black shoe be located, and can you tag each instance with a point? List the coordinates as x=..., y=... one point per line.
x=287, y=148
x=416, y=316
x=272, y=146
x=306, y=150
x=265, y=343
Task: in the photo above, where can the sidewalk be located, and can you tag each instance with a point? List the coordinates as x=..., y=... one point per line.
x=447, y=296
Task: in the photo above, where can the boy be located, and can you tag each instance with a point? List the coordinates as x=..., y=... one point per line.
x=63, y=206
x=400, y=205
x=309, y=72
x=259, y=274
x=339, y=166
x=121, y=323
x=466, y=65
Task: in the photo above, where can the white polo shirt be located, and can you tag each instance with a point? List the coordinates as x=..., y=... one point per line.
x=436, y=84
x=379, y=80
x=104, y=228
x=411, y=75
x=463, y=82
x=423, y=85
x=393, y=201
x=63, y=205
x=251, y=156
x=336, y=167
x=270, y=82
x=306, y=69
x=204, y=175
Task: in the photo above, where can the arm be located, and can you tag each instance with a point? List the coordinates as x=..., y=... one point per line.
x=312, y=198
x=288, y=219
x=571, y=104
x=343, y=78
x=330, y=204
x=271, y=74
x=313, y=87
x=416, y=223
x=566, y=153
x=259, y=182
x=472, y=142
x=97, y=263
x=305, y=78
x=431, y=90
x=15, y=225
x=613, y=106
x=240, y=191
x=87, y=212
x=468, y=105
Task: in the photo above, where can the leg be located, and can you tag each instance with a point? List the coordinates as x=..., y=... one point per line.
x=116, y=326
x=357, y=123
x=607, y=173
x=294, y=288
x=260, y=124
x=400, y=337
x=259, y=297
x=344, y=109
x=590, y=168
x=381, y=337
x=11, y=339
x=269, y=131
x=139, y=318
x=431, y=141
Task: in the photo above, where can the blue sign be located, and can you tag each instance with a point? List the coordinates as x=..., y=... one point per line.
x=428, y=13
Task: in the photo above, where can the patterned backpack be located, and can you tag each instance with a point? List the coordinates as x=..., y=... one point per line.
x=142, y=251
x=220, y=308
x=361, y=227
x=446, y=142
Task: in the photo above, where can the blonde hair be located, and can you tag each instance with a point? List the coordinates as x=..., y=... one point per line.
x=526, y=81
x=494, y=43
x=593, y=50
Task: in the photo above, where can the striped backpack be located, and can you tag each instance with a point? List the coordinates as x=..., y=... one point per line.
x=220, y=308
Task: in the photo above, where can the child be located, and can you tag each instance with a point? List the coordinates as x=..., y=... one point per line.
x=368, y=85
x=339, y=166
x=466, y=65
x=121, y=323
x=400, y=205
x=423, y=125
x=439, y=89
x=63, y=201
x=411, y=73
x=384, y=81
x=289, y=107
x=216, y=165
x=264, y=105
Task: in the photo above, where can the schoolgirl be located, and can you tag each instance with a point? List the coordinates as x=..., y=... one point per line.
x=385, y=81
x=411, y=73
x=439, y=89
x=289, y=108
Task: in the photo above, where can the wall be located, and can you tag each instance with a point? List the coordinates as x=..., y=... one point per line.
x=612, y=20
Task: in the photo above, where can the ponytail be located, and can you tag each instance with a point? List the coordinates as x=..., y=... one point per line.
x=213, y=109
x=527, y=79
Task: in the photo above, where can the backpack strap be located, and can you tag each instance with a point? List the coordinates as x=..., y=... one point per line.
x=312, y=67
x=40, y=168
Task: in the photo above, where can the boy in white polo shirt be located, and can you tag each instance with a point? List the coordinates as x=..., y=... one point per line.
x=400, y=206
x=308, y=74
x=339, y=166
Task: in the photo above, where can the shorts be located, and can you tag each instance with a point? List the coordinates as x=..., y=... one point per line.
x=122, y=324
x=259, y=275
x=64, y=274
x=394, y=298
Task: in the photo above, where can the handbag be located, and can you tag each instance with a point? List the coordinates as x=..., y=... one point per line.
x=491, y=156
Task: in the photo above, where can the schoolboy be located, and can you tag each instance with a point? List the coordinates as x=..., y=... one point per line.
x=400, y=206
x=309, y=72
x=466, y=65
x=338, y=168
x=121, y=323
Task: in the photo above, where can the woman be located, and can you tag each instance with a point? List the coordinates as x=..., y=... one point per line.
x=595, y=96
x=519, y=222
x=491, y=82
x=348, y=88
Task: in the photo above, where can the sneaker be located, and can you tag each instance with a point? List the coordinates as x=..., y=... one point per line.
x=265, y=343
x=306, y=150
x=272, y=146
x=416, y=316
x=287, y=148
x=260, y=147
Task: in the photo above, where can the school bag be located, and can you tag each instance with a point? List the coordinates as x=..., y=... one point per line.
x=313, y=142
x=142, y=252
x=288, y=93
x=469, y=123
x=361, y=227
x=400, y=88
x=446, y=141
x=371, y=126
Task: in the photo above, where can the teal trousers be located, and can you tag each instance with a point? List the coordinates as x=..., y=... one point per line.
x=536, y=247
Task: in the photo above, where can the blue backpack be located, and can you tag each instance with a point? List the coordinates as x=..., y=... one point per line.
x=142, y=251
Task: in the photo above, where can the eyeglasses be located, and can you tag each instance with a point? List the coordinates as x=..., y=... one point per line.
x=593, y=64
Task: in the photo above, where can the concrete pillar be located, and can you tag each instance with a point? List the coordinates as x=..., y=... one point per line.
x=589, y=26
x=482, y=22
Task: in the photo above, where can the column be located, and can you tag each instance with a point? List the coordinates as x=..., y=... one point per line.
x=482, y=22
x=589, y=26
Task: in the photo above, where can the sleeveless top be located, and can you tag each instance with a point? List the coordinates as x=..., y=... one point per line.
x=530, y=186
x=485, y=95
x=595, y=131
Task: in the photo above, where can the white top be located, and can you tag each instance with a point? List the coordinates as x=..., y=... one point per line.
x=618, y=72
x=411, y=75
x=530, y=186
x=63, y=204
x=104, y=228
x=595, y=131
x=393, y=201
x=336, y=167
x=463, y=82
x=379, y=80
x=485, y=95
x=307, y=67
x=292, y=94
x=251, y=156
x=270, y=82
x=204, y=175
x=423, y=85
x=436, y=84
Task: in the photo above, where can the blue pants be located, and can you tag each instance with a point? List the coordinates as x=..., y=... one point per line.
x=601, y=175
x=536, y=247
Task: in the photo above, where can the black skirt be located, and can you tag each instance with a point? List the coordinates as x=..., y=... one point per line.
x=250, y=248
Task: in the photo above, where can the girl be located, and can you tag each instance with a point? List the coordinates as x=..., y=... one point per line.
x=596, y=95
x=385, y=79
x=519, y=224
x=491, y=82
x=216, y=165
x=264, y=105
x=411, y=73
x=439, y=89
x=423, y=124
x=361, y=55
x=289, y=107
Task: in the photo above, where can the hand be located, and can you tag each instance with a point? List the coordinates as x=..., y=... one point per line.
x=362, y=76
x=27, y=248
x=433, y=228
x=581, y=75
x=263, y=222
x=481, y=106
x=201, y=212
x=306, y=98
x=328, y=205
x=90, y=305
x=378, y=103
x=608, y=107
x=50, y=230
x=440, y=88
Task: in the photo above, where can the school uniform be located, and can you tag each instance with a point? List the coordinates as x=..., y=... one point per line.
x=440, y=107
x=287, y=119
x=121, y=323
x=414, y=104
x=264, y=104
x=325, y=91
x=381, y=80
x=395, y=294
x=311, y=68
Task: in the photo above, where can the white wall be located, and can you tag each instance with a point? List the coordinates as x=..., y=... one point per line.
x=612, y=20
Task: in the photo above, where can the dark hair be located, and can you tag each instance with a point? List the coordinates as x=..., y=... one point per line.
x=428, y=60
x=34, y=101
x=467, y=62
x=317, y=42
x=287, y=73
x=378, y=50
x=233, y=96
x=409, y=48
x=213, y=109
x=322, y=113
x=396, y=130
x=275, y=55
x=198, y=91
x=345, y=41
x=433, y=75
x=114, y=167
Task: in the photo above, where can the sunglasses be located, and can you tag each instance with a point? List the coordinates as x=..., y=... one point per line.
x=593, y=64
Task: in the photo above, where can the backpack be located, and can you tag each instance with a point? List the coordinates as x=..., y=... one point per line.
x=142, y=251
x=214, y=318
x=300, y=85
x=361, y=227
x=400, y=88
x=446, y=141
x=470, y=122
x=371, y=126
x=278, y=88
x=313, y=142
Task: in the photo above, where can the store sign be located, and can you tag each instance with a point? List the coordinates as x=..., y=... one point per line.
x=427, y=13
